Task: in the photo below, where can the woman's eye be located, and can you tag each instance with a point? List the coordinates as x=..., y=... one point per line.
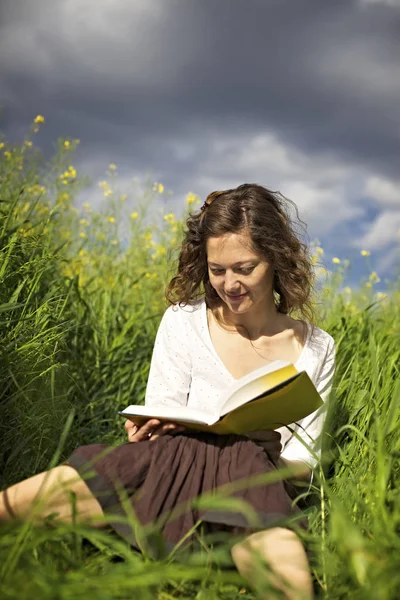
x=240, y=271
x=246, y=271
x=216, y=271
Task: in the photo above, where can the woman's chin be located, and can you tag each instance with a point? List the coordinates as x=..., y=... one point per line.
x=238, y=305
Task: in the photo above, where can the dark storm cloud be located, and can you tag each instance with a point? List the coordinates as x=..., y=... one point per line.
x=323, y=75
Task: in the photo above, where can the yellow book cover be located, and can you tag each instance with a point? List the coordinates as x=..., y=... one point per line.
x=267, y=398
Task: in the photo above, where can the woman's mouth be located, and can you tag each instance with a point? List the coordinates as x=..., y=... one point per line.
x=236, y=297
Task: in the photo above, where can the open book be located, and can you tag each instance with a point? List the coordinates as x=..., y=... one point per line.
x=267, y=398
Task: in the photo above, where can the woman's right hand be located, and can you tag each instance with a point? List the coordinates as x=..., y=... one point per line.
x=151, y=430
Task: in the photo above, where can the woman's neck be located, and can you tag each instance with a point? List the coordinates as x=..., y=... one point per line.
x=253, y=324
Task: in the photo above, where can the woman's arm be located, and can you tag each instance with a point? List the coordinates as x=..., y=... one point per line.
x=169, y=377
x=171, y=365
x=301, y=454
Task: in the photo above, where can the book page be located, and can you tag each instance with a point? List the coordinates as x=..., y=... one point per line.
x=173, y=413
x=284, y=405
x=256, y=383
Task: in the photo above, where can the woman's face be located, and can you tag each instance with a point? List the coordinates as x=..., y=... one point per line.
x=242, y=277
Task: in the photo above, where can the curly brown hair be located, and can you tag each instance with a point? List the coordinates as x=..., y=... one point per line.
x=266, y=216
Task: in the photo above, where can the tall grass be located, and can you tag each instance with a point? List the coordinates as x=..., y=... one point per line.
x=81, y=296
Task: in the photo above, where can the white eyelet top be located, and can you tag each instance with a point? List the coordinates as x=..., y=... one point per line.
x=186, y=370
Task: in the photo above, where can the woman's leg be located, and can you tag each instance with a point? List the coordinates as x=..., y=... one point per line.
x=60, y=490
x=283, y=551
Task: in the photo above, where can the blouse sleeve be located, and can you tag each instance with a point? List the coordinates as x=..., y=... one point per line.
x=309, y=429
x=170, y=368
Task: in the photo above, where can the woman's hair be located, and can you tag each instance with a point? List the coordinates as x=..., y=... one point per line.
x=265, y=215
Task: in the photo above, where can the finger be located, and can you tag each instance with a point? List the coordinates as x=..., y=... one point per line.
x=132, y=432
x=128, y=425
x=144, y=432
x=150, y=426
x=166, y=429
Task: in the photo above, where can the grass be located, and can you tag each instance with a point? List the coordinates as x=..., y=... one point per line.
x=79, y=310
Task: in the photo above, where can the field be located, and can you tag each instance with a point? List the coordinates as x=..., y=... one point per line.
x=81, y=295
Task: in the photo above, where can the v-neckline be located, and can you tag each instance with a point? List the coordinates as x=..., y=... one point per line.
x=216, y=355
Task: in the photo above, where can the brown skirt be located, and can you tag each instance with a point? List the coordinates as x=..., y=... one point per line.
x=150, y=479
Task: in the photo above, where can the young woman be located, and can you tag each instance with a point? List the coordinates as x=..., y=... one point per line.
x=242, y=271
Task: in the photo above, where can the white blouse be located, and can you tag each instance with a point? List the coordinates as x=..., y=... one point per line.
x=186, y=370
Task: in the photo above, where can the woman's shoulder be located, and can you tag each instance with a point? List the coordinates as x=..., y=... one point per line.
x=320, y=334
x=320, y=342
x=313, y=335
x=184, y=314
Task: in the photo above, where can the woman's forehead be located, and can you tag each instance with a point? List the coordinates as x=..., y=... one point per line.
x=232, y=248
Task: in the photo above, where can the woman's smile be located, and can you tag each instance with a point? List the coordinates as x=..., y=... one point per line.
x=235, y=297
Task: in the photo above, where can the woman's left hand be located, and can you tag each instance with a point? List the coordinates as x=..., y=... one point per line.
x=270, y=440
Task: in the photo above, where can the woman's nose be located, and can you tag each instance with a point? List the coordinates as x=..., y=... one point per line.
x=231, y=282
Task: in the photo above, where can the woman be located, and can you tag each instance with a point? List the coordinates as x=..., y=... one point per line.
x=242, y=271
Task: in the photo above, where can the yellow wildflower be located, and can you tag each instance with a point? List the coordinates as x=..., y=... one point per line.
x=123, y=197
x=38, y=189
x=347, y=290
x=134, y=215
x=368, y=284
x=112, y=166
x=336, y=260
x=107, y=193
x=374, y=277
x=381, y=295
x=27, y=143
x=67, y=144
x=87, y=207
x=191, y=199
x=64, y=196
x=84, y=222
x=1, y=145
x=111, y=219
x=7, y=154
x=104, y=185
x=365, y=253
x=82, y=252
x=170, y=217
x=319, y=250
x=148, y=237
x=158, y=187
x=69, y=174
x=38, y=119
x=82, y=235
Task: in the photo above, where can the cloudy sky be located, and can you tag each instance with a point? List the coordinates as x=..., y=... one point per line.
x=302, y=96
